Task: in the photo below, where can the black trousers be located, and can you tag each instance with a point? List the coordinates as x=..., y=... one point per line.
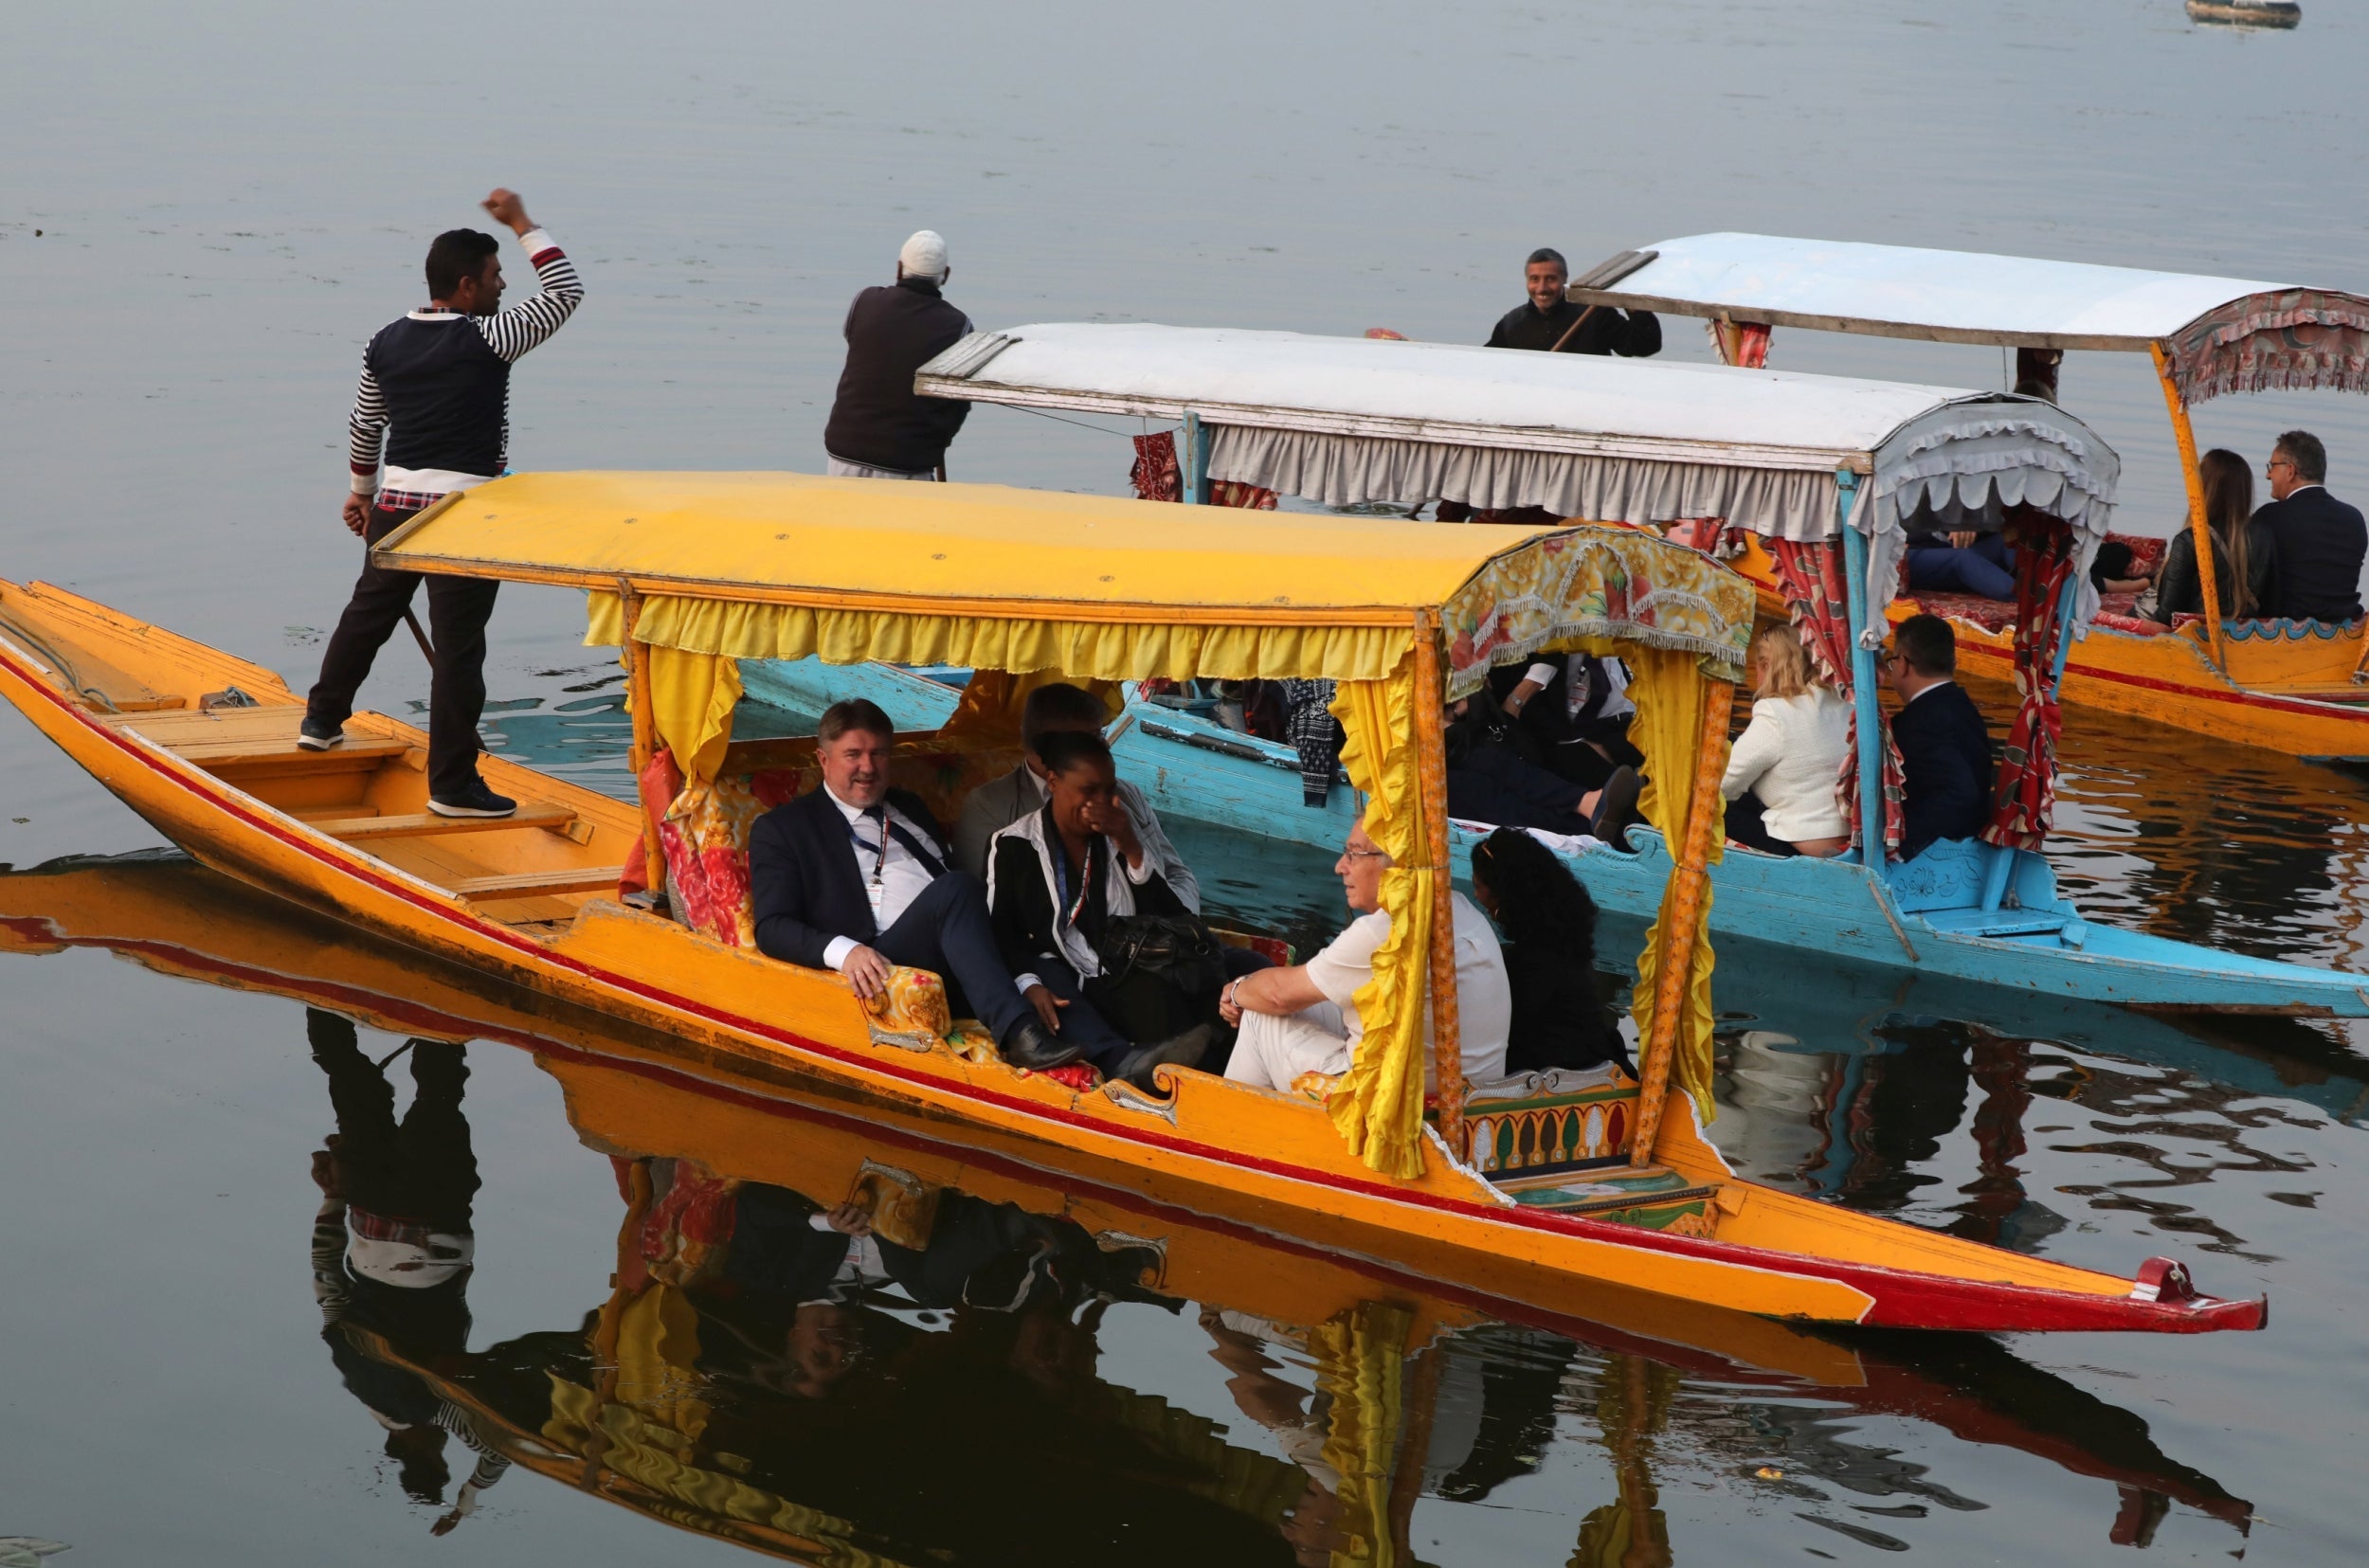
x=458, y=609
x=946, y=931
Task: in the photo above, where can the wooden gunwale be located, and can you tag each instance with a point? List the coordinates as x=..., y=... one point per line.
x=1377, y=1214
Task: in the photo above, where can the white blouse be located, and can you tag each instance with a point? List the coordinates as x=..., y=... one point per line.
x=1790, y=756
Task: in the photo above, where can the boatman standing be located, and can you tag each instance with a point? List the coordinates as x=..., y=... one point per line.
x=440, y=376
x=882, y=428
x=1546, y=318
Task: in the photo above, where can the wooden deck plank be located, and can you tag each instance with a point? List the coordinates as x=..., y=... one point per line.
x=217, y=755
x=427, y=824
x=537, y=883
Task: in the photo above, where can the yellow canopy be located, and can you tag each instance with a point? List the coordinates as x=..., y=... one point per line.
x=725, y=567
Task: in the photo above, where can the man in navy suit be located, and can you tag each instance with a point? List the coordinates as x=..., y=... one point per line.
x=2321, y=541
x=1944, y=747
x=853, y=877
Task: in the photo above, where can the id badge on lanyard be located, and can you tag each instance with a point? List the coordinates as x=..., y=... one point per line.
x=877, y=891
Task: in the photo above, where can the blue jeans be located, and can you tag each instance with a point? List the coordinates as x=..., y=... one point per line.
x=1986, y=567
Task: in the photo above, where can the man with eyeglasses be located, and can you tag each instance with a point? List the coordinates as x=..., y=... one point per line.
x=2321, y=541
x=1944, y=746
x=1305, y=1019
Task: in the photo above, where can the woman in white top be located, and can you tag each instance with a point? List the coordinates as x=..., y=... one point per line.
x=1789, y=758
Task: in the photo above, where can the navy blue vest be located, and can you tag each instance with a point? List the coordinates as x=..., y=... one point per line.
x=447, y=395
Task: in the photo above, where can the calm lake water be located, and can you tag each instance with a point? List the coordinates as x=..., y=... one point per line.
x=206, y=213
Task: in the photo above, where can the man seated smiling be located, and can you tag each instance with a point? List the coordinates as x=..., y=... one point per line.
x=852, y=876
x=1304, y=1019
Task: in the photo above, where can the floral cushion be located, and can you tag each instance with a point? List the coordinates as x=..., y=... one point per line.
x=1992, y=615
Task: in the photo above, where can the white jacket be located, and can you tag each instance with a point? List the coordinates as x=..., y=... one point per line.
x=1790, y=756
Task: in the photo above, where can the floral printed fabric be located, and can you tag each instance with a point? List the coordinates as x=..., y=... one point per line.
x=2300, y=338
x=2027, y=770
x=1597, y=581
x=1811, y=577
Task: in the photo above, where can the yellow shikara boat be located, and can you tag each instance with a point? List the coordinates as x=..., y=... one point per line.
x=1546, y=1191
x=2297, y=686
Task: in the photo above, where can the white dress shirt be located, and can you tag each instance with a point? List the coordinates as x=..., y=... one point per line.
x=899, y=872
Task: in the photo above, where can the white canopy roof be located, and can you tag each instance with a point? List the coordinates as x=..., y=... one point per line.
x=1896, y=291
x=1437, y=392
x=1344, y=421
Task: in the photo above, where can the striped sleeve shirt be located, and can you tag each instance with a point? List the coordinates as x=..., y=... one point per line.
x=509, y=333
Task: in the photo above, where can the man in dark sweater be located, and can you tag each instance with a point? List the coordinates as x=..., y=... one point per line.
x=880, y=428
x=1944, y=746
x=1547, y=317
x=442, y=376
x=2320, y=540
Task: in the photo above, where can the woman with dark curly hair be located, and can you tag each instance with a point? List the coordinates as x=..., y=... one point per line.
x=1549, y=924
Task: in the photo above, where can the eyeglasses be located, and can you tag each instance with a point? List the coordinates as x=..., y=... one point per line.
x=1365, y=854
x=2275, y=464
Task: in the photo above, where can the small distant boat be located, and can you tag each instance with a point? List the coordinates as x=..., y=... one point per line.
x=2246, y=13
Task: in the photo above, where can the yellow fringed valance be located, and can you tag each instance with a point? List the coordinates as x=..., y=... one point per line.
x=1378, y=1104
x=1091, y=649
x=1671, y=694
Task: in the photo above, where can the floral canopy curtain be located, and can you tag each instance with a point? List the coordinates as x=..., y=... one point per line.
x=1812, y=577
x=2027, y=776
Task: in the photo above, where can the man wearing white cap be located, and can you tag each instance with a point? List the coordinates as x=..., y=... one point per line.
x=880, y=428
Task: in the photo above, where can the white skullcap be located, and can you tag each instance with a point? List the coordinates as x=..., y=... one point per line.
x=924, y=255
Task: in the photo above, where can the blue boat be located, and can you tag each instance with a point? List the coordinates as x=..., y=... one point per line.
x=1838, y=465
x=1925, y=916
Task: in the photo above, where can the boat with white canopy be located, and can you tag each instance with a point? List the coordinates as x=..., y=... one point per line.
x=2298, y=687
x=1829, y=472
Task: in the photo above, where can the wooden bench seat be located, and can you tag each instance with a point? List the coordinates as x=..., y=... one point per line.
x=356, y=828
x=539, y=884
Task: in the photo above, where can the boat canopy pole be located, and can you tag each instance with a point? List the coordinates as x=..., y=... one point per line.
x=1196, y=464
x=2200, y=530
x=1690, y=884
x=1430, y=770
x=640, y=705
x=1869, y=713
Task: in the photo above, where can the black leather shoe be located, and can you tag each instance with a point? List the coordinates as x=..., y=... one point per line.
x=1185, y=1050
x=1031, y=1047
x=314, y=736
x=1616, y=808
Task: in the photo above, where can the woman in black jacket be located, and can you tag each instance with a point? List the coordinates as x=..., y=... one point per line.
x=1549, y=924
x=2244, y=559
x=1058, y=879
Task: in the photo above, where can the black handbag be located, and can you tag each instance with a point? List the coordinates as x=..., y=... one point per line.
x=1177, y=948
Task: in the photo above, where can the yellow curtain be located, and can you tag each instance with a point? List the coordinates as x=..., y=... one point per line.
x=1361, y=1360
x=993, y=700
x=1095, y=650
x=1378, y=1104
x=691, y=702
x=1670, y=690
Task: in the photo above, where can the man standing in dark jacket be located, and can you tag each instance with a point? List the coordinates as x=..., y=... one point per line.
x=880, y=428
x=2319, y=541
x=1543, y=320
x=440, y=376
x=1944, y=746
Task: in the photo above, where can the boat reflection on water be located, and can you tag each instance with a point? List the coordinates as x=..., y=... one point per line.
x=836, y=1338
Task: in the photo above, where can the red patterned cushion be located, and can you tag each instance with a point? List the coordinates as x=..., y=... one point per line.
x=2136, y=625
x=1992, y=615
x=2143, y=552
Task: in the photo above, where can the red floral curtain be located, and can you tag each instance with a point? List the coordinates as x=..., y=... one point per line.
x=1811, y=576
x=1158, y=478
x=2027, y=774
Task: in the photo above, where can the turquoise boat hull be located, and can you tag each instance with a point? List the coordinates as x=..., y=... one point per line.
x=1926, y=916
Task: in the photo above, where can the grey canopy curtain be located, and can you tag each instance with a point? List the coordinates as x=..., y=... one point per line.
x=1339, y=470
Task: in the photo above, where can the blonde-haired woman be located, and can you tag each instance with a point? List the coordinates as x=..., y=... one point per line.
x=1788, y=761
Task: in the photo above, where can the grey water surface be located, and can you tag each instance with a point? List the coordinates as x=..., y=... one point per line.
x=207, y=210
